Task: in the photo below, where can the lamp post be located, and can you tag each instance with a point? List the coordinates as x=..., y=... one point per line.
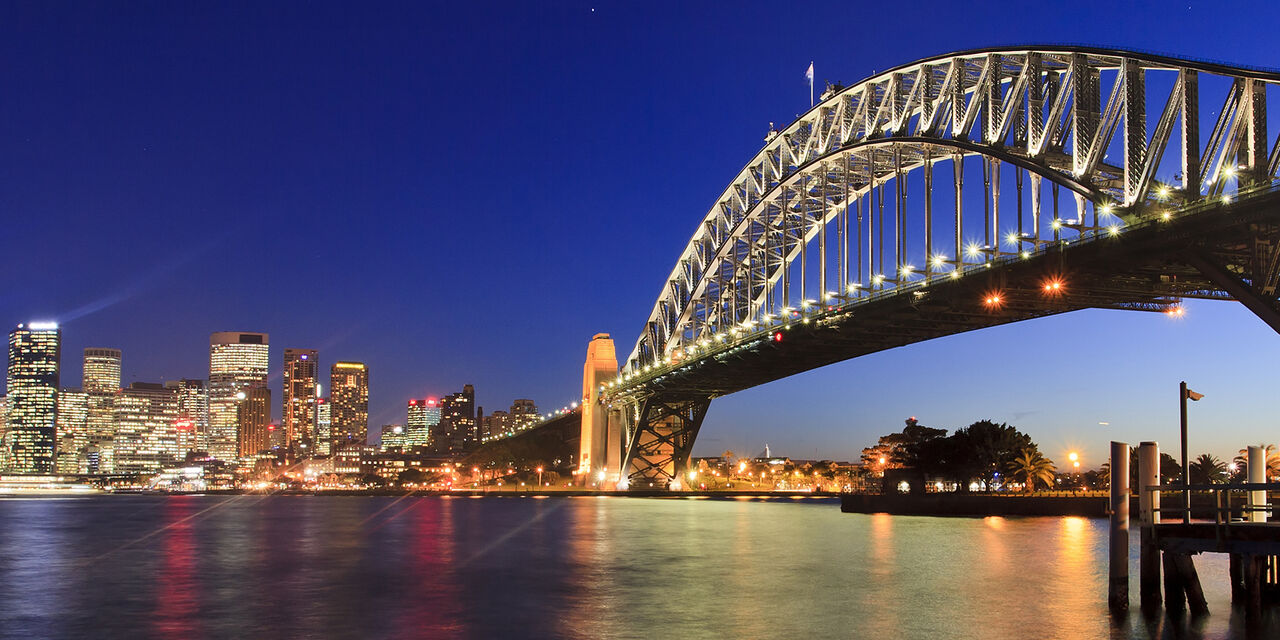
x=1183, y=394
x=539, y=478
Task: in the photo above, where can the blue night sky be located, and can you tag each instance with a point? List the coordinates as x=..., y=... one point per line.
x=466, y=192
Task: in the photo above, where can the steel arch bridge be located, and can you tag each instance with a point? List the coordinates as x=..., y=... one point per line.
x=851, y=231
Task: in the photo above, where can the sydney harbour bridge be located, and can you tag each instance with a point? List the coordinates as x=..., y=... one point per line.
x=950, y=194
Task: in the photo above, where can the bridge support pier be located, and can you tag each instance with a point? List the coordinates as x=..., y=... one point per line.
x=660, y=442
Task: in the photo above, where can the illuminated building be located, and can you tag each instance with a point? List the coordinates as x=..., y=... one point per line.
x=423, y=416
x=193, y=410
x=393, y=437
x=253, y=415
x=349, y=397
x=147, y=435
x=101, y=381
x=457, y=429
x=4, y=433
x=324, y=433
x=35, y=353
x=524, y=413
x=495, y=424
x=600, y=447
x=73, y=435
x=237, y=363
x=298, y=411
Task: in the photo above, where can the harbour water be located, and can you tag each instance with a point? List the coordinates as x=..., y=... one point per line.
x=456, y=567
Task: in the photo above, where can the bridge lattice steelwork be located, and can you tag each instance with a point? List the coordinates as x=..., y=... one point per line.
x=852, y=230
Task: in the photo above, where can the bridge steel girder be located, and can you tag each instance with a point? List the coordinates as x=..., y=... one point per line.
x=1050, y=113
x=660, y=440
x=1266, y=307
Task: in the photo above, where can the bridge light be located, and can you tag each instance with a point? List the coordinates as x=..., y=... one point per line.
x=1165, y=216
x=1230, y=171
x=1012, y=238
x=1113, y=230
x=972, y=250
x=993, y=300
x=1026, y=254
x=1226, y=199
x=877, y=279
x=955, y=273
x=938, y=260
x=1163, y=191
x=777, y=336
x=853, y=287
x=907, y=269
x=1105, y=209
x=1057, y=223
x=1053, y=286
x=1176, y=312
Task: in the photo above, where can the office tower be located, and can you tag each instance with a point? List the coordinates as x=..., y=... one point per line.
x=193, y=412
x=35, y=354
x=393, y=437
x=324, y=418
x=423, y=417
x=237, y=363
x=253, y=415
x=349, y=397
x=101, y=381
x=73, y=435
x=4, y=433
x=524, y=413
x=147, y=435
x=298, y=413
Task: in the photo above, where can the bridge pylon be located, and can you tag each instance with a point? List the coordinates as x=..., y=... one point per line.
x=660, y=430
x=600, y=368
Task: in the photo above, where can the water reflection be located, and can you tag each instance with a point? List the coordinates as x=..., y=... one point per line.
x=364, y=567
x=177, y=585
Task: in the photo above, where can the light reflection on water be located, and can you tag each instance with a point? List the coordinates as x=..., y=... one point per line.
x=366, y=567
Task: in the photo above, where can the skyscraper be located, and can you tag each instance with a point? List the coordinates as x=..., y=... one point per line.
x=253, y=415
x=148, y=434
x=349, y=396
x=457, y=421
x=392, y=437
x=298, y=415
x=237, y=362
x=423, y=416
x=73, y=435
x=35, y=355
x=324, y=433
x=101, y=382
x=193, y=412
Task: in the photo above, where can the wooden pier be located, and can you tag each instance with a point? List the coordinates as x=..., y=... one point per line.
x=1240, y=528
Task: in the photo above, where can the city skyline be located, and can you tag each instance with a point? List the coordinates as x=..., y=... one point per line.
x=282, y=145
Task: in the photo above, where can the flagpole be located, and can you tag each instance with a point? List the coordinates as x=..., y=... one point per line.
x=1186, y=482
x=811, y=84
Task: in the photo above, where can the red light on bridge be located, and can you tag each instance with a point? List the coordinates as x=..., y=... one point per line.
x=777, y=336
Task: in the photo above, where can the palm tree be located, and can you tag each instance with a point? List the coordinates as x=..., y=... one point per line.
x=1272, y=457
x=1029, y=467
x=1207, y=469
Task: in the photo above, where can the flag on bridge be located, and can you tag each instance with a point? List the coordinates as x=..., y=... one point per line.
x=808, y=74
x=1191, y=395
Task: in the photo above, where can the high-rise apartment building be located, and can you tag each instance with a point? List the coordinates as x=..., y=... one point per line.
x=324, y=433
x=457, y=421
x=298, y=415
x=422, y=418
x=101, y=382
x=495, y=425
x=73, y=434
x=524, y=413
x=349, y=396
x=253, y=415
x=193, y=412
x=148, y=432
x=237, y=362
x=35, y=355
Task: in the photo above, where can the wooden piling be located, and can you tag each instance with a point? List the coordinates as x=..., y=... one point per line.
x=1118, y=570
x=1148, y=517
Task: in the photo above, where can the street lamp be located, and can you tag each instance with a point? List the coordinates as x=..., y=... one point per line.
x=1183, y=394
x=539, y=476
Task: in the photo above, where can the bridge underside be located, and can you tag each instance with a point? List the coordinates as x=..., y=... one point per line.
x=1227, y=252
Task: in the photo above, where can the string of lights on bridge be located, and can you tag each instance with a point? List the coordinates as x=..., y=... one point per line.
x=771, y=327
